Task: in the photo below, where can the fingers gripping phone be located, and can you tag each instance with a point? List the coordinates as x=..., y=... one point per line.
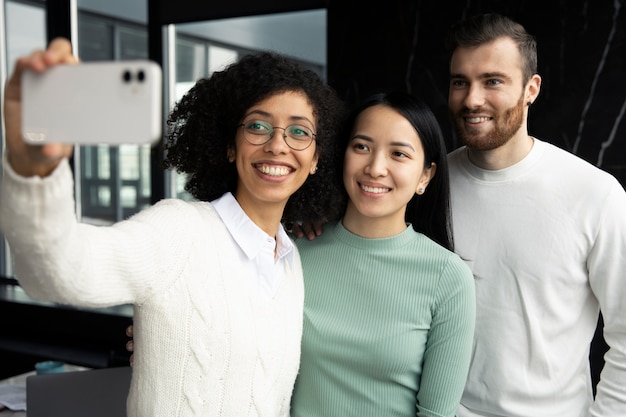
x=104, y=102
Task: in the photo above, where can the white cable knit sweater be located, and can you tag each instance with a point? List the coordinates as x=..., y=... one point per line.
x=208, y=344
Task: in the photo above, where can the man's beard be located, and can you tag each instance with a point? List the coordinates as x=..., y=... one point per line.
x=506, y=125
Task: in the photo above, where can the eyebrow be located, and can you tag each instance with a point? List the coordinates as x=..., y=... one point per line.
x=394, y=143
x=268, y=115
x=483, y=76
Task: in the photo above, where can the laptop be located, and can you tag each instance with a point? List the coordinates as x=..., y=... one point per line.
x=90, y=393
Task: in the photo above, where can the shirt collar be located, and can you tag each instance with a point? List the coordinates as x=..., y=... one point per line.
x=246, y=233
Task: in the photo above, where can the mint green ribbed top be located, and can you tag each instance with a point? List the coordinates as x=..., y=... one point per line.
x=388, y=326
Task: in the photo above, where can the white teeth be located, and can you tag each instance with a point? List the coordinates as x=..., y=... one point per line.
x=375, y=190
x=274, y=171
x=477, y=119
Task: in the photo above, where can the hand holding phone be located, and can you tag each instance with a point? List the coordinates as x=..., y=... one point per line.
x=105, y=102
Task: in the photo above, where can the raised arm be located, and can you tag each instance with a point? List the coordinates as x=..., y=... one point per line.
x=28, y=160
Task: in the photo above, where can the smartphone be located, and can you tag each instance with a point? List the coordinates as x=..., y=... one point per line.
x=92, y=103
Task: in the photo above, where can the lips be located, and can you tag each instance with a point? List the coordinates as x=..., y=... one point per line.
x=477, y=119
x=375, y=190
x=273, y=170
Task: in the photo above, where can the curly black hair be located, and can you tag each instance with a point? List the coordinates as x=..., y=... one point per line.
x=203, y=126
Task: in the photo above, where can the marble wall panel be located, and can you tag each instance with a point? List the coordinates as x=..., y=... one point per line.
x=582, y=61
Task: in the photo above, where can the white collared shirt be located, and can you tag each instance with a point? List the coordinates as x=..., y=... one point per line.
x=256, y=246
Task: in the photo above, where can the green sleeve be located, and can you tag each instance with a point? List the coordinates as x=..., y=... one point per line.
x=449, y=345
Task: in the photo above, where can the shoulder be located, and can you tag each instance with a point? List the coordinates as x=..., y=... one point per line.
x=326, y=238
x=454, y=270
x=456, y=156
x=457, y=283
x=428, y=252
x=457, y=160
x=184, y=208
x=560, y=158
x=567, y=168
x=452, y=278
x=175, y=213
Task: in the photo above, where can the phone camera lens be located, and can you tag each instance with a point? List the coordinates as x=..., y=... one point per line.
x=141, y=75
x=127, y=76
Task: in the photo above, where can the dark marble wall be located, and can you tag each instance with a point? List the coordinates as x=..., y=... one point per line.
x=582, y=61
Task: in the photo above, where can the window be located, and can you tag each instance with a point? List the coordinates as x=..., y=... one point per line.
x=114, y=182
x=22, y=38
x=25, y=31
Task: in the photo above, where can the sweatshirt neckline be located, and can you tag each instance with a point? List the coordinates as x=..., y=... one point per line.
x=505, y=174
x=386, y=243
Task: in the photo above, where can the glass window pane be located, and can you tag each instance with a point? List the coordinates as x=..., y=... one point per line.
x=25, y=30
x=220, y=57
x=133, y=43
x=103, y=196
x=128, y=197
x=104, y=163
x=129, y=162
x=95, y=39
x=191, y=59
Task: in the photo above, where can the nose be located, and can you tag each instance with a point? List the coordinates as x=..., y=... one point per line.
x=377, y=165
x=475, y=97
x=277, y=143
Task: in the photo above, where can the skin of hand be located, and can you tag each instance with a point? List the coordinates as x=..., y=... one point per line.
x=130, y=345
x=311, y=230
x=33, y=160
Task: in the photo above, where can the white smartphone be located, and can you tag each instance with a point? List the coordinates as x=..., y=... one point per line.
x=91, y=103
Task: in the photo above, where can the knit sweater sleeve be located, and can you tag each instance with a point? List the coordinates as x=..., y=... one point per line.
x=448, y=349
x=59, y=259
x=607, y=276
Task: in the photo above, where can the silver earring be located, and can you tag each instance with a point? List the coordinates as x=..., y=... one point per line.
x=421, y=190
x=314, y=170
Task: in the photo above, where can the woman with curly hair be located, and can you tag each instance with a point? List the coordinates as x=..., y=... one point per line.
x=216, y=283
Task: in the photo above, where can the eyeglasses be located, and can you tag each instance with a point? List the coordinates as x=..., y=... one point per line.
x=259, y=132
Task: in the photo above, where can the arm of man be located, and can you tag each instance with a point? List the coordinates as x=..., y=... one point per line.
x=607, y=276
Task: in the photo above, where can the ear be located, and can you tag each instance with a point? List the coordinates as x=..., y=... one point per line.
x=230, y=154
x=427, y=175
x=313, y=169
x=532, y=89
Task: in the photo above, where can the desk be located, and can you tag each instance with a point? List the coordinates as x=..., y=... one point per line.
x=20, y=381
x=58, y=332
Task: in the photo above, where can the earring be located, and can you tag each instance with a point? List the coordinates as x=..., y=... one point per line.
x=528, y=103
x=314, y=169
x=421, y=190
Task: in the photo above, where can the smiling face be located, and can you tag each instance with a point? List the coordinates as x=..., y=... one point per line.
x=270, y=173
x=383, y=170
x=488, y=97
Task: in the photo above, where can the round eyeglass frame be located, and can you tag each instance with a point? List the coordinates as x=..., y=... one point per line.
x=270, y=134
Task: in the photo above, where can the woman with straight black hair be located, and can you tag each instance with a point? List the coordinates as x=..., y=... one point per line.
x=389, y=309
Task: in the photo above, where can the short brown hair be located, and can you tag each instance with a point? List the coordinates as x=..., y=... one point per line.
x=484, y=28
